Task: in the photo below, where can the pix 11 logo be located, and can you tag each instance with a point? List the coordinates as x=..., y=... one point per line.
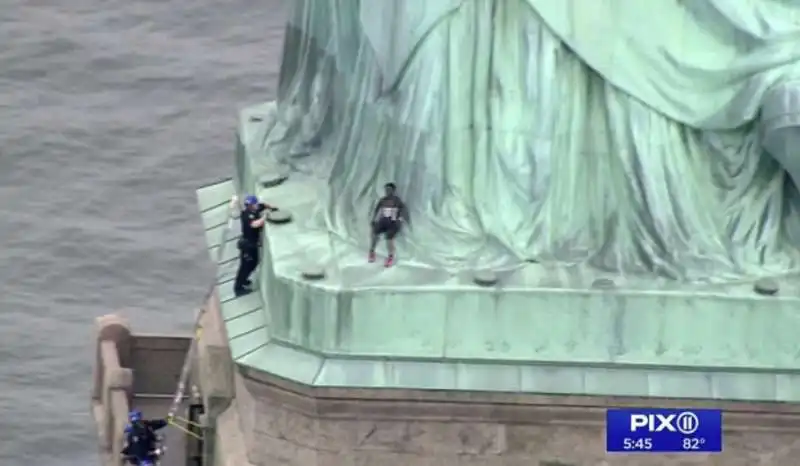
x=685, y=423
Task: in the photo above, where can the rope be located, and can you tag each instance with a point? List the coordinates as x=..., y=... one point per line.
x=187, y=422
x=185, y=430
x=198, y=330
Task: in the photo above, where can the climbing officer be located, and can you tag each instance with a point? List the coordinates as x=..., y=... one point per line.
x=141, y=441
x=253, y=218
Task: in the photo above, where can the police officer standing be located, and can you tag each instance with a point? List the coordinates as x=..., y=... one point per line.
x=252, y=218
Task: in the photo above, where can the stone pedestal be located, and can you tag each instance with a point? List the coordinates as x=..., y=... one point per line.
x=288, y=424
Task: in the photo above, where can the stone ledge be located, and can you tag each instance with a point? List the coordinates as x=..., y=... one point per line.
x=214, y=364
x=288, y=424
x=230, y=448
x=530, y=377
x=416, y=405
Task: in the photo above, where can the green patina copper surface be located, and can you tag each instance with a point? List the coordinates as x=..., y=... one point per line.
x=414, y=345
x=555, y=143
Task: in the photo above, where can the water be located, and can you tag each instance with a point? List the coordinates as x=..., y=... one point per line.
x=112, y=112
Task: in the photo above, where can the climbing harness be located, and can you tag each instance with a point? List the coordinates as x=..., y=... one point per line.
x=190, y=353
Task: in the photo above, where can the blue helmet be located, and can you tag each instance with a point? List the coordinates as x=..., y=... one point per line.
x=135, y=415
x=250, y=200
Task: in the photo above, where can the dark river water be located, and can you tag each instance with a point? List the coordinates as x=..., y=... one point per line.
x=111, y=114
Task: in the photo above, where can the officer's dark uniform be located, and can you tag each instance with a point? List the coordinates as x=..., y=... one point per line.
x=142, y=440
x=249, y=245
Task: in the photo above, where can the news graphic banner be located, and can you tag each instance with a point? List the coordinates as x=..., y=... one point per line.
x=663, y=431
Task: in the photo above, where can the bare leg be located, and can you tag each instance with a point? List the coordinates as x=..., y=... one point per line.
x=390, y=246
x=373, y=242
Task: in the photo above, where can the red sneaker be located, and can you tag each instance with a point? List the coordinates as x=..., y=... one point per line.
x=371, y=256
x=389, y=261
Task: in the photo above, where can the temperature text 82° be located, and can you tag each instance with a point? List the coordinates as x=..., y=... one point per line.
x=693, y=443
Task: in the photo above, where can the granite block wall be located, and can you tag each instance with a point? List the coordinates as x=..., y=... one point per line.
x=285, y=426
